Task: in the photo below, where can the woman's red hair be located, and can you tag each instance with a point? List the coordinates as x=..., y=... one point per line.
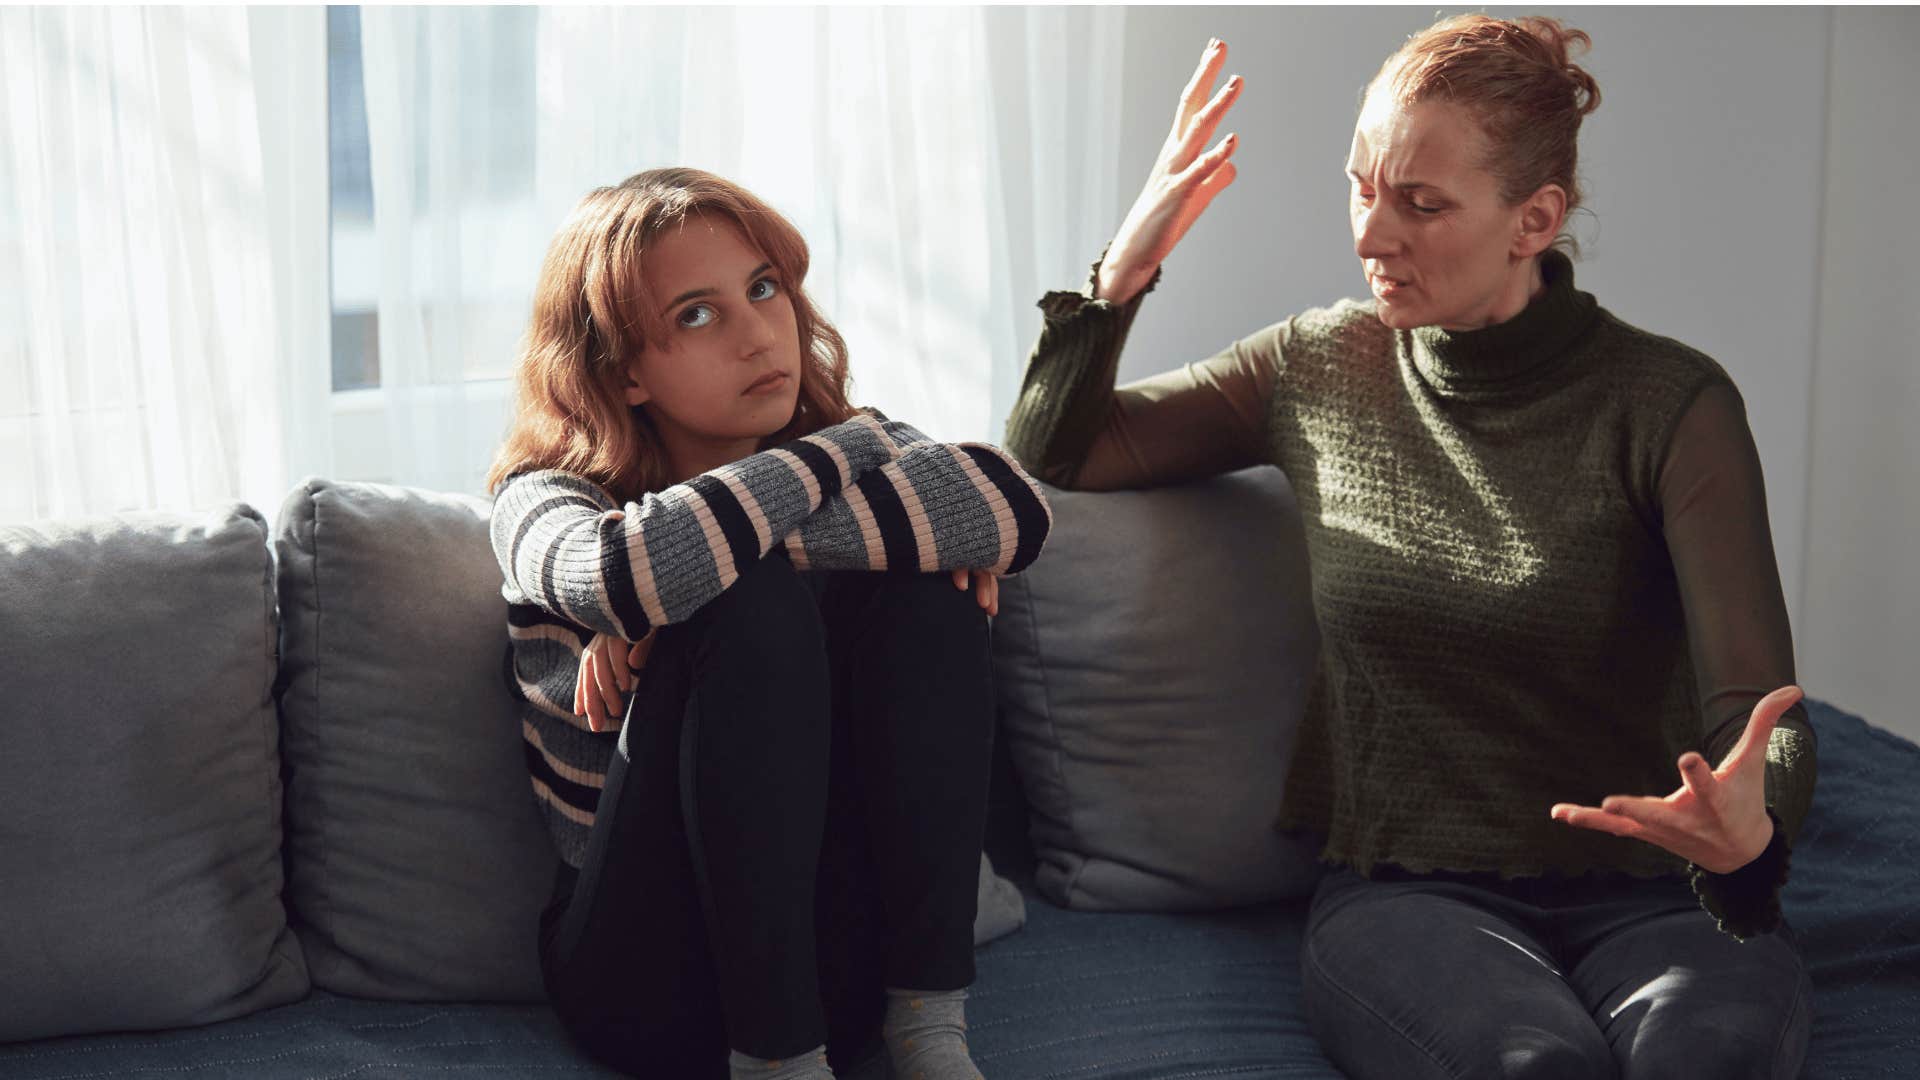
x=592, y=317
x=1516, y=78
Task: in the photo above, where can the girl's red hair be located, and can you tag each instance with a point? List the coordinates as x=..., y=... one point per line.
x=592, y=317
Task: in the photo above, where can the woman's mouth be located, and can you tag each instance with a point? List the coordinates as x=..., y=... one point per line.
x=767, y=383
x=1384, y=286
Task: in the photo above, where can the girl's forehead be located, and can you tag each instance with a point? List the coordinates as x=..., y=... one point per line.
x=696, y=246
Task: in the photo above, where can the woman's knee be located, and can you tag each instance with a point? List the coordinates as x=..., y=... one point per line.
x=1376, y=1041
x=1397, y=983
x=1724, y=1043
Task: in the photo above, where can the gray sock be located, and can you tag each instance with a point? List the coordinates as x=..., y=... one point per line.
x=811, y=1065
x=926, y=1035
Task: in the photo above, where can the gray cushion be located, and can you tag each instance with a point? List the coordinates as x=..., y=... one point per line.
x=1152, y=668
x=417, y=861
x=140, y=787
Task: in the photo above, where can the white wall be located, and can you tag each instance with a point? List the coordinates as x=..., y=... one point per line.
x=1705, y=166
x=1860, y=637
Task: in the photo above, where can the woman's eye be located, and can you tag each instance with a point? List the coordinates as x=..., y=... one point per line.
x=696, y=316
x=764, y=289
x=1428, y=209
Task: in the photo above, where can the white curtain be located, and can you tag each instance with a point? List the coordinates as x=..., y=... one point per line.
x=944, y=164
x=165, y=263
x=139, y=351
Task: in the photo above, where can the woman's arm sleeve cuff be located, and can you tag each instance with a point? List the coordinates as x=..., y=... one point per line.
x=1746, y=902
x=1060, y=305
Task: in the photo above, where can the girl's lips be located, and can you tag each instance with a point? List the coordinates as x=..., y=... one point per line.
x=765, y=383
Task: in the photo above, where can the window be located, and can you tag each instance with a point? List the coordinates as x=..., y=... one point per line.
x=471, y=174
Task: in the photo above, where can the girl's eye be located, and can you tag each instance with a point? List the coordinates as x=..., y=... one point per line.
x=764, y=289
x=696, y=316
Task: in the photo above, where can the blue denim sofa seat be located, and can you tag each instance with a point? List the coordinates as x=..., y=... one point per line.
x=1138, y=996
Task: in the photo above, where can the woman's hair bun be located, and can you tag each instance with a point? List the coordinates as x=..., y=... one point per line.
x=1561, y=43
x=1518, y=79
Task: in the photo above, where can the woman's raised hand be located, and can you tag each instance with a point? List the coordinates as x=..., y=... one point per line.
x=1184, y=180
x=1717, y=820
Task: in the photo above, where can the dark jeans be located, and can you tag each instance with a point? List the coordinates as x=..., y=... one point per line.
x=1461, y=975
x=792, y=824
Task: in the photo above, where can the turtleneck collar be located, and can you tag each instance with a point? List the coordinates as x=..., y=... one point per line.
x=1495, y=358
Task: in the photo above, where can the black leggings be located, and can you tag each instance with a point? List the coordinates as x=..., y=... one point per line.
x=793, y=823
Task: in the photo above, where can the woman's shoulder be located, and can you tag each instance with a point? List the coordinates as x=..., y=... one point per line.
x=1331, y=337
x=1654, y=362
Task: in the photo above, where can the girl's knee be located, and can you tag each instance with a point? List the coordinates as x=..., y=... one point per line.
x=768, y=598
x=929, y=600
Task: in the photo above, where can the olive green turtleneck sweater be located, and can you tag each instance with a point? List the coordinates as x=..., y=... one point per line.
x=1540, y=560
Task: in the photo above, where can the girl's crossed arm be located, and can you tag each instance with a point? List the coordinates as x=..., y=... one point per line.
x=568, y=548
x=938, y=506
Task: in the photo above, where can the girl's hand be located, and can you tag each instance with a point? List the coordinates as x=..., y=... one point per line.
x=1182, y=183
x=606, y=675
x=1718, y=819
x=986, y=588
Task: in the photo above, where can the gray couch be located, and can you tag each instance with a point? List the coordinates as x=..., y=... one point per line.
x=263, y=811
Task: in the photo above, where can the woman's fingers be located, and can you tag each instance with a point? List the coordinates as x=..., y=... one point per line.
x=1194, y=95
x=1204, y=124
x=1590, y=817
x=1697, y=775
x=1205, y=167
x=1645, y=809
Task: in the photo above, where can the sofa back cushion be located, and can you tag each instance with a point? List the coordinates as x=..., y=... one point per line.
x=1152, y=668
x=140, y=871
x=417, y=862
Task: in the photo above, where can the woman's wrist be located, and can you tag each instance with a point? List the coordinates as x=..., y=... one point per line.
x=1118, y=281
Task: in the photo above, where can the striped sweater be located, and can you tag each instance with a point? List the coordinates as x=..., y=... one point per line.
x=867, y=494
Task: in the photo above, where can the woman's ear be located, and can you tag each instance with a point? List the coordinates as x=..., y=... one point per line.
x=1540, y=219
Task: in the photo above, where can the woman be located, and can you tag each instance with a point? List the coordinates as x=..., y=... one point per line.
x=776, y=864
x=1543, y=573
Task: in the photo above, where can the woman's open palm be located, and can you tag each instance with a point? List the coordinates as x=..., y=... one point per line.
x=1717, y=820
x=1183, y=181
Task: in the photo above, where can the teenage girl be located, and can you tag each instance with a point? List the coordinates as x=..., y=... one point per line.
x=776, y=855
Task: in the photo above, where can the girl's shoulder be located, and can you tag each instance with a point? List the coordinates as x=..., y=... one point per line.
x=538, y=486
